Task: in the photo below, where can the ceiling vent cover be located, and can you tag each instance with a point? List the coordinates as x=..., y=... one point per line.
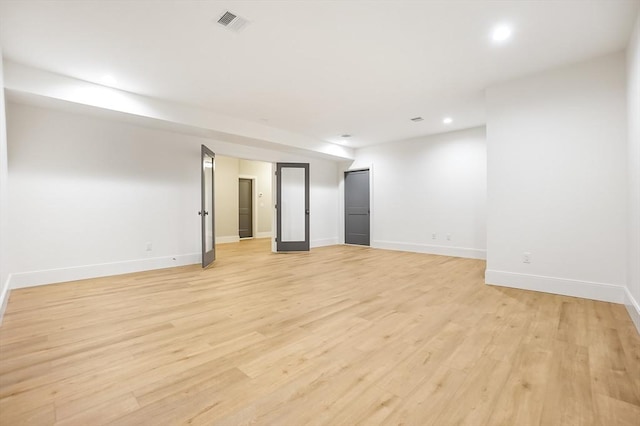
x=232, y=21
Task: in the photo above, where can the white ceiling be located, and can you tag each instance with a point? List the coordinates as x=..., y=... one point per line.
x=318, y=68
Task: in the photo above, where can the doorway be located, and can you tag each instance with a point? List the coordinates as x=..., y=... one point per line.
x=236, y=223
x=356, y=207
x=248, y=194
x=245, y=208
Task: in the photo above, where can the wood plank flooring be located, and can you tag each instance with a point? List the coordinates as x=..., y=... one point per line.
x=338, y=336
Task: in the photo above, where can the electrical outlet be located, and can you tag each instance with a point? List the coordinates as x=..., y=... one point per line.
x=433, y=236
x=448, y=237
x=526, y=257
x=149, y=247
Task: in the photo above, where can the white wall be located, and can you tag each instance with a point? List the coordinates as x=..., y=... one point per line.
x=434, y=184
x=226, y=197
x=556, y=144
x=633, y=114
x=4, y=202
x=323, y=203
x=87, y=194
x=264, y=208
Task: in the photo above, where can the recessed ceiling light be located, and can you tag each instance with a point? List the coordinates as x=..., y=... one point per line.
x=108, y=80
x=447, y=120
x=501, y=33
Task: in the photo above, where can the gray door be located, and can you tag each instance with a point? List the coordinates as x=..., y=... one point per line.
x=292, y=206
x=245, y=220
x=207, y=206
x=356, y=207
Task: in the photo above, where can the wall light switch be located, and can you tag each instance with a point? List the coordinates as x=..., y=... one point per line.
x=526, y=257
x=149, y=247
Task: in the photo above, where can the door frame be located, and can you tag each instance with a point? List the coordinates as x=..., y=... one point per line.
x=343, y=206
x=254, y=202
x=292, y=245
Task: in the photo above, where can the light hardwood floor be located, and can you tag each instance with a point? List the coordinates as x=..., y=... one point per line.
x=338, y=336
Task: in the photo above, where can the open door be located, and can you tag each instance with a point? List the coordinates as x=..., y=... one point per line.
x=292, y=204
x=207, y=209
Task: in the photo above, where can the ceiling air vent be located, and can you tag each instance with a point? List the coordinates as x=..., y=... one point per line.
x=232, y=21
x=416, y=119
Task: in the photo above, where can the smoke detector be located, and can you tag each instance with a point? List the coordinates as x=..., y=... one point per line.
x=232, y=21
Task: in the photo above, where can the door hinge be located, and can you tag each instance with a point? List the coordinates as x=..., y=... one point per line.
x=276, y=206
x=276, y=239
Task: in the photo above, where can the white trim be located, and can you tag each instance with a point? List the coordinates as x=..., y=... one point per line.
x=633, y=307
x=267, y=234
x=567, y=287
x=4, y=297
x=470, y=253
x=52, y=276
x=228, y=239
x=324, y=242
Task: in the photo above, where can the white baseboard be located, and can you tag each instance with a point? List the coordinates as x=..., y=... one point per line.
x=470, y=253
x=228, y=239
x=267, y=234
x=587, y=290
x=4, y=296
x=52, y=276
x=324, y=242
x=633, y=307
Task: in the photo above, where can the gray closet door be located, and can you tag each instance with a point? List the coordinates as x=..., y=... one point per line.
x=245, y=211
x=356, y=195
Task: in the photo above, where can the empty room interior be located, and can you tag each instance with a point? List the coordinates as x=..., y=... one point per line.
x=320, y=212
